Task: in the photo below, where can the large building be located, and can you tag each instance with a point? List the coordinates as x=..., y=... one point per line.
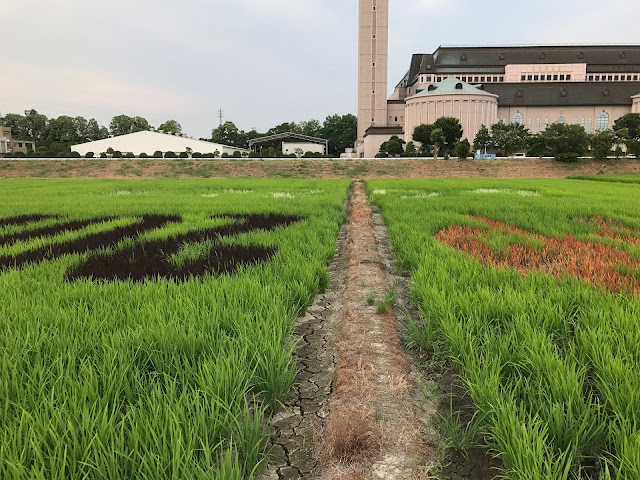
x=149, y=142
x=10, y=145
x=590, y=86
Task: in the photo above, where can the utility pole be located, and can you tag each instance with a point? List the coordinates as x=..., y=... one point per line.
x=220, y=115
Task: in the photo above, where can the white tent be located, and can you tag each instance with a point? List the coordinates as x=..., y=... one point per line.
x=150, y=142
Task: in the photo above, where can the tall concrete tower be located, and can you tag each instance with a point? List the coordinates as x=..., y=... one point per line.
x=373, y=46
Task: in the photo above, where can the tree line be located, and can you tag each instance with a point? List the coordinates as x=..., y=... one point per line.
x=54, y=136
x=340, y=130
x=562, y=141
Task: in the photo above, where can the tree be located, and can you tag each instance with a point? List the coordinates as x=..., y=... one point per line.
x=410, y=149
x=630, y=121
x=341, y=131
x=394, y=146
x=509, y=138
x=602, y=143
x=229, y=134
x=565, y=142
x=95, y=131
x=463, y=149
x=483, y=139
x=422, y=135
x=312, y=128
x=171, y=126
x=633, y=148
x=438, y=140
x=33, y=126
x=452, y=130
x=124, y=125
x=284, y=128
x=63, y=129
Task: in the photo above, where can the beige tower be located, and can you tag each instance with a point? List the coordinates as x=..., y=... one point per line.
x=373, y=45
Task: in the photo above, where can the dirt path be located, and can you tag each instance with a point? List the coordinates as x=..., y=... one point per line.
x=375, y=426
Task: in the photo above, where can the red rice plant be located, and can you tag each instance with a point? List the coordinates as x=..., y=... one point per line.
x=601, y=265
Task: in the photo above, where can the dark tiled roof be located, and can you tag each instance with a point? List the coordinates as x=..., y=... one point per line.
x=615, y=58
x=561, y=94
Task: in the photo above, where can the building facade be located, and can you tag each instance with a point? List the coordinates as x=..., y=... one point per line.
x=536, y=86
x=10, y=145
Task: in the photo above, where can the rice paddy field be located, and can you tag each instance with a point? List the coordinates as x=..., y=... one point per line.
x=145, y=326
x=530, y=289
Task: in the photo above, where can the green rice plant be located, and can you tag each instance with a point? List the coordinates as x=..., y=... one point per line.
x=552, y=364
x=388, y=301
x=160, y=378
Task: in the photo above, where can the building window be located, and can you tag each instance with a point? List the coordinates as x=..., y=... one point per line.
x=568, y=77
x=555, y=78
x=396, y=119
x=536, y=78
x=518, y=118
x=582, y=123
x=562, y=120
x=546, y=123
x=562, y=78
x=616, y=78
x=597, y=78
x=548, y=78
x=475, y=79
x=603, y=121
x=628, y=78
x=610, y=77
x=523, y=78
x=495, y=79
x=590, y=128
x=482, y=79
x=530, y=124
x=591, y=78
x=538, y=125
x=529, y=77
x=428, y=78
x=502, y=79
x=635, y=78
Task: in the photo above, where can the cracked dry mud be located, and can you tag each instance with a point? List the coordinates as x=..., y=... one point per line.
x=351, y=358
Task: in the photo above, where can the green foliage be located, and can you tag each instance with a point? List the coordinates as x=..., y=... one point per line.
x=451, y=129
x=422, y=135
x=633, y=148
x=410, y=149
x=630, y=122
x=123, y=125
x=393, y=146
x=157, y=154
x=170, y=155
x=509, y=138
x=565, y=142
x=438, y=140
x=482, y=141
x=90, y=155
x=463, y=149
x=602, y=143
x=161, y=379
x=171, y=126
x=551, y=364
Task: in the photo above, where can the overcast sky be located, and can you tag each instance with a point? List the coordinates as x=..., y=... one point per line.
x=263, y=61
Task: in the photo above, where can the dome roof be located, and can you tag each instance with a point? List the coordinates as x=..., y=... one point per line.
x=452, y=86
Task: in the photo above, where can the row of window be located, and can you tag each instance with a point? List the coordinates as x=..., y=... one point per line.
x=469, y=79
x=613, y=78
x=532, y=77
x=602, y=122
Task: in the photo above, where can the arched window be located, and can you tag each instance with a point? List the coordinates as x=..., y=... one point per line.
x=518, y=118
x=562, y=120
x=603, y=122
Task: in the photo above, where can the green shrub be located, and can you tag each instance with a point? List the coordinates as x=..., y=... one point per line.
x=184, y=155
x=143, y=155
x=157, y=154
x=89, y=155
x=170, y=155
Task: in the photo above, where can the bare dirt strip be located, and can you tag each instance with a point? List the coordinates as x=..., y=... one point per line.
x=362, y=169
x=377, y=421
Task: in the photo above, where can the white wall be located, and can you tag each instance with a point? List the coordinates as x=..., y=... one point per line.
x=289, y=148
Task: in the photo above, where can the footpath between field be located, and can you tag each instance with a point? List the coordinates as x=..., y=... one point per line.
x=361, y=169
